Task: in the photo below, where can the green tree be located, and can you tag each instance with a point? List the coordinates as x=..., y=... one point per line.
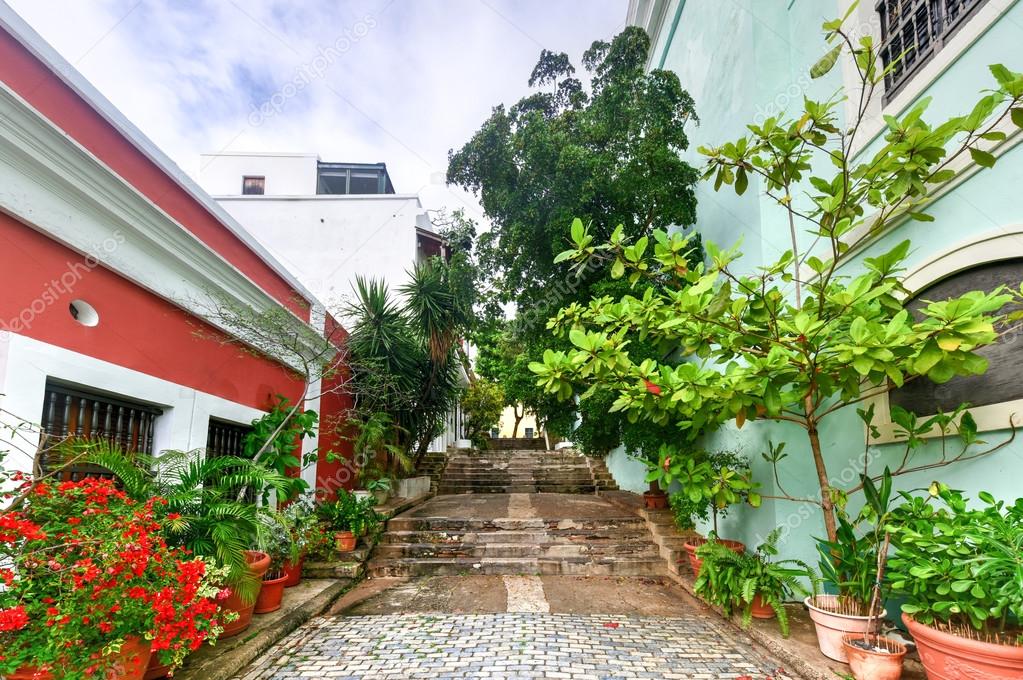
x=782, y=343
x=482, y=404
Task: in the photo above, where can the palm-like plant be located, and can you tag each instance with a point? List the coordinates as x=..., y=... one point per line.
x=733, y=580
x=201, y=493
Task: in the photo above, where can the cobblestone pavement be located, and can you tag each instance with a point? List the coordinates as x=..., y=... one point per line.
x=512, y=645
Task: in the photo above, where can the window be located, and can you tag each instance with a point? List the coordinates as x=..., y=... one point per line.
x=529, y=433
x=72, y=413
x=918, y=28
x=364, y=183
x=1003, y=380
x=253, y=186
x=494, y=433
x=228, y=439
x=352, y=178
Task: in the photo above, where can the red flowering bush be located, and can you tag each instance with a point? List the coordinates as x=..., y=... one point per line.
x=82, y=568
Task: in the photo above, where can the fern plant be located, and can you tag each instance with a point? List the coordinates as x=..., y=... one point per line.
x=733, y=580
x=205, y=516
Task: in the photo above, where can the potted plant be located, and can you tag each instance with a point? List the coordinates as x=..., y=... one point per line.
x=960, y=571
x=349, y=517
x=709, y=483
x=874, y=657
x=300, y=516
x=750, y=582
x=88, y=580
x=276, y=540
x=381, y=488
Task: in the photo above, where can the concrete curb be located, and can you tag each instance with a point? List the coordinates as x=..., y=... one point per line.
x=228, y=665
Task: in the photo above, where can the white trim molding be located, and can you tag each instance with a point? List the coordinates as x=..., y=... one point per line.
x=1005, y=243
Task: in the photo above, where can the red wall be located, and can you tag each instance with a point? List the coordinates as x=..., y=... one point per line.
x=31, y=79
x=334, y=403
x=136, y=329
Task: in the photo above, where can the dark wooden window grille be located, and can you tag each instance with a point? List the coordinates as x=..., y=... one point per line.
x=227, y=439
x=253, y=186
x=1003, y=380
x=920, y=28
x=72, y=413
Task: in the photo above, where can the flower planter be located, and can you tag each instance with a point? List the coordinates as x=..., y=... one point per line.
x=270, y=595
x=760, y=610
x=156, y=669
x=29, y=673
x=345, y=541
x=293, y=572
x=883, y=662
x=695, y=542
x=832, y=627
x=132, y=661
x=947, y=657
x=259, y=562
x=655, y=500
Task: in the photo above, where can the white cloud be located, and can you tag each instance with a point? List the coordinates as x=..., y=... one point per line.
x=418, y=82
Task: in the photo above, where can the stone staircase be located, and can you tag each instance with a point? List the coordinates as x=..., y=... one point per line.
x=546, y=534
x=523, y=471
x=433, y=464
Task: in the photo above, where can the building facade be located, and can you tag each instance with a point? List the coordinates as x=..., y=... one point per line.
x=746, y=61
x=328, y=222
x=109, y=257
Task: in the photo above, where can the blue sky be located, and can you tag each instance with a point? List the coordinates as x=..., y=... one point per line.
x=399, y=81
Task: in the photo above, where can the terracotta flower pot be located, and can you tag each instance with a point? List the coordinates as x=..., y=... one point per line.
x=29, y=673
x=345, y=540
x=761, y=610
x=695, y=542
x=947, y=657
x=293, y=572
x=832, y=627
x=258, y=563
x=156, y=669
x=270, y=595
x=132, y=661
x=884, y=662
x=655, y=500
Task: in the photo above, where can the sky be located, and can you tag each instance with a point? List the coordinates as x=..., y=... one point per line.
x=397, y=81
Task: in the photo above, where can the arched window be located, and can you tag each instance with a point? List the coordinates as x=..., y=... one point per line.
x=1003, y=380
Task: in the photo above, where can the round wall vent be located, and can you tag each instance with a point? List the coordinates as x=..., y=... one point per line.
x=83, y=313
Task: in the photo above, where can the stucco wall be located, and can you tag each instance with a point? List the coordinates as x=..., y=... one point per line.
x=286, y=174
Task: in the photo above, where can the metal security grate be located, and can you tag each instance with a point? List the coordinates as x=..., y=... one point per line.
x=917, y=30
x=228, y=439
x=71, y=413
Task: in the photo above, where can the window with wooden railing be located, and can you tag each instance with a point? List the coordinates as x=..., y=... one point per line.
x=228, y=439
x=916, y=30
x=70, y=413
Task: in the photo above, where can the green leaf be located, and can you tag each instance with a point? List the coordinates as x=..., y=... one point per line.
x=982, y=158
x=741, y=182
x=1017, y=116
x=826, y=63
x=578, y=338
x=577, y=231
x=617, y=269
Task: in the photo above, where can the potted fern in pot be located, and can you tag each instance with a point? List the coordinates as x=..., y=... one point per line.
x=752, y=583
x=349, y=517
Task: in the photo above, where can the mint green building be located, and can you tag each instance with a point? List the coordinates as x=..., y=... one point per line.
x=746, y=60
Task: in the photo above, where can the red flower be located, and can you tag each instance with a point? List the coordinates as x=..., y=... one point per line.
x=13, y=619
x=652, y=388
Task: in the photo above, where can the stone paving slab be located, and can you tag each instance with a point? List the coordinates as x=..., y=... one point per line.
x=512, y=645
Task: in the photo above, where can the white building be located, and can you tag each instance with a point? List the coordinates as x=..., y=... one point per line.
x=327, y=222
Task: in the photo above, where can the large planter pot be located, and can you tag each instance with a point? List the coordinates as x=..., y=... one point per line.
x=950, y=657
x=832, y=627
x=882, y=662
x=29, y=673
x=293, y=573
x=345, y=541
x=655, y=500
x=258, y=563
x=760, y=610
x=695, y=542
x=271, y=595
x=156, y=669
x=132, y=661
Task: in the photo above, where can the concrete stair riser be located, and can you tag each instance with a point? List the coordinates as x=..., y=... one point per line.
x=458, y=524
x=515, y=566
x=517, y=550
x=567, y=536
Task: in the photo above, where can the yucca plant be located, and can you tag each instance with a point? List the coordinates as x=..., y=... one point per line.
x=732, y=580
x=204, y=513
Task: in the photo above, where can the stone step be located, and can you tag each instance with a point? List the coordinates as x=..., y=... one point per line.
x=448, y=489
x=574, y=566
x=640, y=548
x=491, y=478
x=532, y=536
x=462, y=524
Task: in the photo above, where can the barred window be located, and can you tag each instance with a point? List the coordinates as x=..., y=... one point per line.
x=74, y=413
x=917, y=30
x=228, y=439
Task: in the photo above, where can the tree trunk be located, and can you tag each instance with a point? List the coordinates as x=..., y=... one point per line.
x=827, y=502
x=518, y=419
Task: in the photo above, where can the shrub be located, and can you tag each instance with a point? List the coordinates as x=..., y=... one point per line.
x=482, y=404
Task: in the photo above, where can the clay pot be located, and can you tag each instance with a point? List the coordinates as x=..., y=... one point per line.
x=867, y=664
x=947, y=657
x=156, y=669
x=271, y=594
x=293, y=572
x=132, y=661
x=760, y=610
x=29, y=673
x=655, y=500
x=258, y=563
x=695, y=542
x=345, y=541
x=832, y=627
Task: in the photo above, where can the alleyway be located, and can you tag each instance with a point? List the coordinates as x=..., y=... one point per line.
x=516, y=585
